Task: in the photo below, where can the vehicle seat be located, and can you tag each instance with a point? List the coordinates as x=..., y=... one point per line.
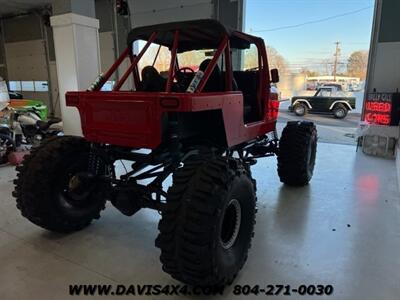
x=152, y=81
x=44, y=125
x=247, y=82
x=214, y=81
x=234, y=83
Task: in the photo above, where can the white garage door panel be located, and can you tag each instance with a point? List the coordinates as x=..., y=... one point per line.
x=27, y=68
x=42, y=96
x=26, y=60
x=149, y=12
x=139, y=6
x=26, y=48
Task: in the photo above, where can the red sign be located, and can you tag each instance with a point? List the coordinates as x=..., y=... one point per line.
x=378, y=108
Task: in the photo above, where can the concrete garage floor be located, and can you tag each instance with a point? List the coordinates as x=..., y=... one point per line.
x=343, y=229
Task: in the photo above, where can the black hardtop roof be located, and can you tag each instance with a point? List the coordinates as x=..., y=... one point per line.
x=193, y=35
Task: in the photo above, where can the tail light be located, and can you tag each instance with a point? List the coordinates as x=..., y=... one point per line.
x=273, y=106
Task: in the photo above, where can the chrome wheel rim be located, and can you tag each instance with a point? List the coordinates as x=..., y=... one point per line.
x=340, y=113
x=231, y=224
x=299, y=110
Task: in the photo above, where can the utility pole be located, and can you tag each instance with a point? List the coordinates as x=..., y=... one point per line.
x=337, y=53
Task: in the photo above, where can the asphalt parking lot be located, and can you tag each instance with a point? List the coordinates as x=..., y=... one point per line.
x=330, y=130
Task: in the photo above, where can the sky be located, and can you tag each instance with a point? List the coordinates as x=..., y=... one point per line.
x=307, y=45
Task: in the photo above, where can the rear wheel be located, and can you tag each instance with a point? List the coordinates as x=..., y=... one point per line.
x=297, y=152
x=207, y=226
x=300, y=109
x=340, y=111
x=53, y=189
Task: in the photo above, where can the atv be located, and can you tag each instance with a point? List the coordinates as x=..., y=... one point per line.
x=24, y=123
x=205, y=128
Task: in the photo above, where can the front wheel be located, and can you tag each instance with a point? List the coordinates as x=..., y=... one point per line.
x=53, y=188
x=297, y=153
x=207, y=226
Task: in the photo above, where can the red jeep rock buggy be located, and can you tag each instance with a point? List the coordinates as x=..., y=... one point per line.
x=206, y=136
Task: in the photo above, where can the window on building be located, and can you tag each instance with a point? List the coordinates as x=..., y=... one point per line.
x=27, y=86
x=41, y=86
x=14, y=85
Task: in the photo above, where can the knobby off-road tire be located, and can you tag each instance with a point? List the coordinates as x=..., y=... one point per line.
x=42, y=181
x=207, y=226
x=297, y=152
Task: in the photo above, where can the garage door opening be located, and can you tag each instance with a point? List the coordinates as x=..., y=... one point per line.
x=322, y=58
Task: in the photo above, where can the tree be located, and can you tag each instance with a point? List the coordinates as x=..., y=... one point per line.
x=162, y=58
x=309, y=73
x=194, y=58
x=275, y=60
x=357, y=64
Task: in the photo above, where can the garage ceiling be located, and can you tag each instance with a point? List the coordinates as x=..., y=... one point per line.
x=14, y=7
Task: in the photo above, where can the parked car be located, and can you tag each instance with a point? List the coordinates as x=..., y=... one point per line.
x=327, y=99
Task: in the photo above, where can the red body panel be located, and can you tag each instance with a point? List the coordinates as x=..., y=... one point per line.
x=133, y=119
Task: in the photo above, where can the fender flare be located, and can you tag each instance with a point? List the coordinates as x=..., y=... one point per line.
x=302, y=101
x=340, y=101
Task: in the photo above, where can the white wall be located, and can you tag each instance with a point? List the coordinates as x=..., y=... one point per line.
x=386, y=70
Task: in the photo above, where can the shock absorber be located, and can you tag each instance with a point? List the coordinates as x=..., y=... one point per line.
x=174, y=145
x=94, y=163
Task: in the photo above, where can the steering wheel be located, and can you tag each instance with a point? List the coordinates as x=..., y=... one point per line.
x=184, y=70
x=180, y=78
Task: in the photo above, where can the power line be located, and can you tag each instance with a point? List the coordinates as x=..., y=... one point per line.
x=315, y=21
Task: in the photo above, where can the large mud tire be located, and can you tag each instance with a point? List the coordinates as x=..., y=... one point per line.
x=297, y=153
x=207, y=226
x=41, y=182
